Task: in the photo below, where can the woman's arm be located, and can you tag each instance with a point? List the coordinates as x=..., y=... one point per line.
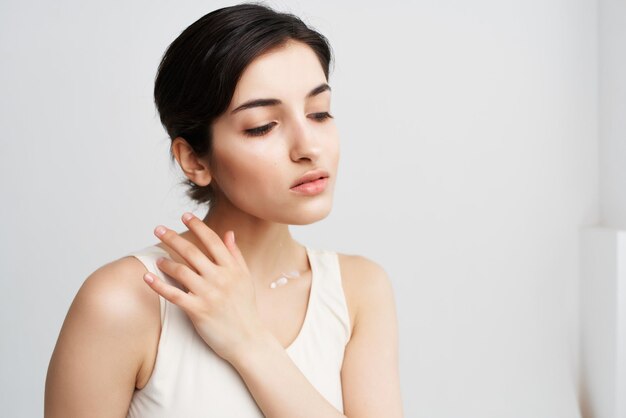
x=370, y=373
x=101, y=346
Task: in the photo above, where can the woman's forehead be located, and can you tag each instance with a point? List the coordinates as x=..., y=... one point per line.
x=284, y=73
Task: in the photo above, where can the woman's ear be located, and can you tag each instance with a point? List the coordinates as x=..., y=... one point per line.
x=194, y=168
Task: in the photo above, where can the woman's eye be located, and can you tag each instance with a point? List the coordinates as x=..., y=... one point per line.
x=321, y=116
x=261, y=130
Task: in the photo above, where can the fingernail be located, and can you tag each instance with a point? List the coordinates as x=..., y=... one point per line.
x=159, y=230
x=187, y=216
x=148, y=278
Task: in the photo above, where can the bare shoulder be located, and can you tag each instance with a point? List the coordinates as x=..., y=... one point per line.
x=109, y=331
x=363, y=280
x=119, y=287
x=117, y=293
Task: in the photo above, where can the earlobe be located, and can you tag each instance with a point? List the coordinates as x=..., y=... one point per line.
x=195, y=168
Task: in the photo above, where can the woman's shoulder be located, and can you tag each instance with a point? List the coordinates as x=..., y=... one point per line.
x=118, y=287
x=115, y=299
x=370, y=269
x=362, y=273
x=362, y=279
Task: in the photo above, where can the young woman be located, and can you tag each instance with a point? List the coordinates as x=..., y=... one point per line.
x=233, y=317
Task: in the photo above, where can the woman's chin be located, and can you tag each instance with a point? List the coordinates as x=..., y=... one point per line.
x=306, y=217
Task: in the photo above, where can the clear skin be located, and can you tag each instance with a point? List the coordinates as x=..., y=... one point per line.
x=101, y=356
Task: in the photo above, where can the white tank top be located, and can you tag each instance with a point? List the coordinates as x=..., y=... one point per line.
x=189, y=380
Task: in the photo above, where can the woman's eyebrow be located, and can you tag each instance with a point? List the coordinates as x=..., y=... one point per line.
x=273, y=102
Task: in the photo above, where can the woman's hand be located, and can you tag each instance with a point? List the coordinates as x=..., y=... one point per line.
x=221, y=300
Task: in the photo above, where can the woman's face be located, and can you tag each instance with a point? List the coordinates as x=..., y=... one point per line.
x=260, y=151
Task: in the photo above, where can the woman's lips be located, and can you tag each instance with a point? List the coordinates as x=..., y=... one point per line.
x=311, y=188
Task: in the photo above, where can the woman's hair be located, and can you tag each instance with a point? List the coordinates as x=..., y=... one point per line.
x=199, y=71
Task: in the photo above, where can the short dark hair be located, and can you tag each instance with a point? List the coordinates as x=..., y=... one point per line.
x=199, y=71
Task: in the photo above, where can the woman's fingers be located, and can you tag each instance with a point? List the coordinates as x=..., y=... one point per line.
x=182, y=274
x=189, y=252
x=231, y=244
x=209, y=239
x=169, y=292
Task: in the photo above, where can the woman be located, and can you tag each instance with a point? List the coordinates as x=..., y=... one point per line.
x=233, y=317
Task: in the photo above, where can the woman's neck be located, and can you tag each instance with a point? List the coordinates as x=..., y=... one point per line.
x=267, y=247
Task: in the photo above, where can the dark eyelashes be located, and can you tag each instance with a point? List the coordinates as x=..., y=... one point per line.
x=262, y=130
x=322, y=115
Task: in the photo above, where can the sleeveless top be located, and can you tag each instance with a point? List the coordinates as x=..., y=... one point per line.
x=190, y=380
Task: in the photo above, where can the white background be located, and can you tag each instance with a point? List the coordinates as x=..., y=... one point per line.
x=470, y=159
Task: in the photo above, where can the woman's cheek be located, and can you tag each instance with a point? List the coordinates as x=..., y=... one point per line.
x=252, y=175
x=333, y=147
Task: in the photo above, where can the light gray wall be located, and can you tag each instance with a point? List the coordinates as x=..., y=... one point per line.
x=469, y=161
x=612, y=106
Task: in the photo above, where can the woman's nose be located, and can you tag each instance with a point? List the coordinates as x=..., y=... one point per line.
x=304, y=143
